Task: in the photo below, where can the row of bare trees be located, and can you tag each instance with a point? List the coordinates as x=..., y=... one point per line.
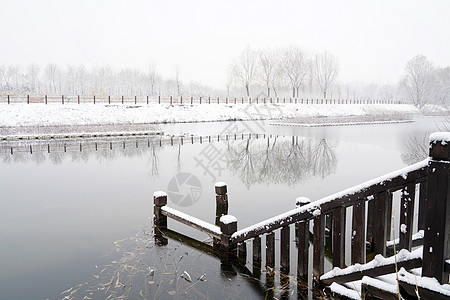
x=287, y=68
x=99, y=80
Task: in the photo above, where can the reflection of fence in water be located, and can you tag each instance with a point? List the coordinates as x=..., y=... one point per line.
x=23, y=150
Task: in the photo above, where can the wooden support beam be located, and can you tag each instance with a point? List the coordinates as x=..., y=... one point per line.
x=319, y=246
x=436, y=248
x=358, y=232
x=339, y=237
x=407, y=216
x=381, y=214
x=270, y=249
x=284, y=249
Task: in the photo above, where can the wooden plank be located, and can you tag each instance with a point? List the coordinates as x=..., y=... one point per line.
x=319, y=246
x=284, y=249
x=422, y=204
x=408, y=291
x=242, y=251
x=339, y=237
x=381, y=214
x=270, y=249
x=406, y=216
x=369, y=292
x=344, y=201
x=378, y=271
x=303, y=249
x=370, y=221
x=257, y=249
x=358, y=233
x=192, y=223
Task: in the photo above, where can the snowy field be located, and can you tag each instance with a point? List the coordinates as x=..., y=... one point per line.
x=98, y=114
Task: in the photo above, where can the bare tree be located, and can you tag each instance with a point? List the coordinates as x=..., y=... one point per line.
x=177, y=79
x=296, y=66
x=324, y=70
x=268, y=64
x=416, y=82
x=152, y=76
x=51, y=74
x=244, y=69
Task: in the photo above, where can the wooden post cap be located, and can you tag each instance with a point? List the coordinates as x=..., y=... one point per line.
x=221, y=188
x=439, y=145
x=228, y=224
x=160, y=198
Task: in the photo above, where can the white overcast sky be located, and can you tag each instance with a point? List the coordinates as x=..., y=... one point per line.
x=373, y=40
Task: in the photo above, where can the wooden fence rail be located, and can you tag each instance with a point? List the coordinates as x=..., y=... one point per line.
x=369, y=206
x=176, y=100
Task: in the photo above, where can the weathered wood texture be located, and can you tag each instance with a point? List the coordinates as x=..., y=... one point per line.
x=378, y=271
x=436, y=249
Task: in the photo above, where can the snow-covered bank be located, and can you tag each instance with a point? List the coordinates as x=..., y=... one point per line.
x=98, y=114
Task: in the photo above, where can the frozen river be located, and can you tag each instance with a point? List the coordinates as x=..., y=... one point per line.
x=62, y=211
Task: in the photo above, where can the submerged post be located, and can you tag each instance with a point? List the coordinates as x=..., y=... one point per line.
x=159, y=200
x=436, y=246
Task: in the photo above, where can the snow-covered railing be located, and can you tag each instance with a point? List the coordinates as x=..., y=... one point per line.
x=179, y=100
x=371, y=214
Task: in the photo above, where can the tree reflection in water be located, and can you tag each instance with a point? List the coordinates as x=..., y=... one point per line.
x=282, y=161
x=271, y=160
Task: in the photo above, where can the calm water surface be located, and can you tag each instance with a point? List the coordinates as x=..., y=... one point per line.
x=61, y=212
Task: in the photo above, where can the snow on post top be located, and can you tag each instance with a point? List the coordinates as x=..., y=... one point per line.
x=443, y=137
x=159, y=194
x=227, y=219
x=300, y=201
x=220, y=184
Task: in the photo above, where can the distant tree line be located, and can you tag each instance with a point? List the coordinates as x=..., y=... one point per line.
x=282, y=72
x=103, y=80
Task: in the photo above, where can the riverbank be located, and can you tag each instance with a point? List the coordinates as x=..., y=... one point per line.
x=40, y=119
x=89, y=114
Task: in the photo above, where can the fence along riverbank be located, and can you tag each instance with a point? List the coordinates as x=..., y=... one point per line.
x=426, y=182
x=179, y=100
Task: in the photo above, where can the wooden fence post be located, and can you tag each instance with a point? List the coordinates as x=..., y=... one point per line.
x=45, y=99
x=62, y=99
x=135, y=100
x=94, y=99
x=122, y=99
x=228, y=226
x=28, y=99
x=436, y=247
x=159, y=200
x=9, y=100
x=407, y=216
x=338, y=221
x=358, y=232
x=78, y=99
x=318, y=246
x=303, y=241
x=147, y=100
x=109, y=99
x=221, y=205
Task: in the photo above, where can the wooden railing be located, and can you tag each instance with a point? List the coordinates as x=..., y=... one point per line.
x=426, y=182
x=178, y=100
